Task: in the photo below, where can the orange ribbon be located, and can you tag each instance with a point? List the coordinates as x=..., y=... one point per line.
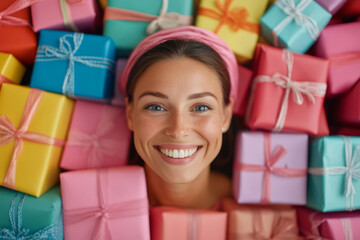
x=236, y=19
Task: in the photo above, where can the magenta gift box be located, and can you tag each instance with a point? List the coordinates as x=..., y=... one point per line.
x=119, y=99
x=340, y=44
x=98, y=137
x=270, y=168
x=108, y=203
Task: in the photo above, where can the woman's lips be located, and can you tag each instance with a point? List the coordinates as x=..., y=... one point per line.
x=178, y=155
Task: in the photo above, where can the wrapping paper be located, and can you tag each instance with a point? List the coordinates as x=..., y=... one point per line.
x=249, y=183
x=244, y=85
x=98, y=137
x=11, y=70
x=333, y=225
x=20, y=41
x=36, y=168
x=332, y=6
x=330, y=188
x=28, y=217
x=177, y=223
x=108, y=203
x=235, y=21
x=339, y=44
x=260, y=222
x=136, y=30
x=304, y=103
x=74, y=15
x=282, y=30
x=89, y=74
x=119, y=99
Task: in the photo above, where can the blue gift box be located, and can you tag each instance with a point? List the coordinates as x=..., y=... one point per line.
x=297, y=31
x=334, y=174
x=75, y=64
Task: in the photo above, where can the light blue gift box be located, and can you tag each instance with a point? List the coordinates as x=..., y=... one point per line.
x=75, y=64
x=329, y=174
x=128, y=34
x=294, y=37
x=26, y=217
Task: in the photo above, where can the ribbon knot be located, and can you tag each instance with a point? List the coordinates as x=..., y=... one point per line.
x=16, y=6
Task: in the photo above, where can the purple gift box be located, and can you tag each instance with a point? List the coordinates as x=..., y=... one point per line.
x=332, y=6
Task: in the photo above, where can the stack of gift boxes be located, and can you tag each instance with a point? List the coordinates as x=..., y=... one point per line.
x=296, y=166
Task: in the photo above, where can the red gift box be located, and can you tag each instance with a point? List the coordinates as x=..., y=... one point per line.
x=245, y=77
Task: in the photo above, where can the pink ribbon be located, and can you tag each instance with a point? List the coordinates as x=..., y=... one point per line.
x=344, y=59
x=3, y=79
x=18, y=5
x=268, y=169
x=193, y=224
x=104, y=212
x=9, y=132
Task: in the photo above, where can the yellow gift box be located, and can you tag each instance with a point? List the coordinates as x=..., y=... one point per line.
x=11, y=68
x=37, y=165
x=235, y=21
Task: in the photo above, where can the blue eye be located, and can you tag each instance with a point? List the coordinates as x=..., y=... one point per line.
x=201, y=108
x=154, y=107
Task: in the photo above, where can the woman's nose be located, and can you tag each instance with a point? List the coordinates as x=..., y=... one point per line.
x=178, y=125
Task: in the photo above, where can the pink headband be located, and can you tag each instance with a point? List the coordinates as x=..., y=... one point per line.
x=187, y=33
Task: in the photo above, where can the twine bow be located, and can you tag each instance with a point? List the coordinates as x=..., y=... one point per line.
x=18, y=5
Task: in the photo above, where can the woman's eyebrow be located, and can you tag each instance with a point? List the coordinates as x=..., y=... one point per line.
x=155, y=94
x=202, y=94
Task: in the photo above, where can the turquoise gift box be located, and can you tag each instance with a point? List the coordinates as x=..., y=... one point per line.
x=293, y=33
x=334, y=174
x=75, y=64
x=26, y=217
x=127, y=34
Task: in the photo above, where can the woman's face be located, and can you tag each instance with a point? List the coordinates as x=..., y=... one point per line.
x=178, y=117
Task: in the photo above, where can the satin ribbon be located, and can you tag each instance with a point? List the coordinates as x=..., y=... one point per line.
x=9, y=133
x=193, y=224
x=165, y=20
x=3, y=79
x=344, y=59
x=236, y=19
x=309, y=89
x=271, y=158
x=96, y=144
x=18, y=5
x=351, y=171
x=105, y=212
x=67, y=52
x=294, y=13
x=17, y=231
x=66, y=14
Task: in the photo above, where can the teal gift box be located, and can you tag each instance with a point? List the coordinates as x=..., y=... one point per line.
x=293, y=24
x=127, y=22
x=26, y=217
x=75, y=64
x=334, y=174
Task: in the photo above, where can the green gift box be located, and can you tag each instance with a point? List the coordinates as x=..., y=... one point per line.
x=334, y=174
x=26, y=217
x=129, y=22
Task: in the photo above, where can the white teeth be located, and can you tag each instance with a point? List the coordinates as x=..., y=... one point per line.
x=181, y=153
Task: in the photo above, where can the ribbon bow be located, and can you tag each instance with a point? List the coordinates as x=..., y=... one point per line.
x=67, y=51
x=235, y=19
x=310, y=89
x=18, y=5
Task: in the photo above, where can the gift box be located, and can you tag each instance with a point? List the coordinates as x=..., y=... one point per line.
x=294, y=24
x=98, y=137
x=270, y=168
x=260, y=222
x=119, y=99
x=33, y=128
x=16, y=34
x=334, y=173
x=244, y=83
x=66, y=15
x=339, y=44
x=287, y=92
x=109, y=203
x=350, y=9
x=334, y=225
x=103, y=3
x=178, y=223
x=11, y=70
x=129, y=22
x=332, y=6
x=80, y=65
x=28, y=217
x=235, y=21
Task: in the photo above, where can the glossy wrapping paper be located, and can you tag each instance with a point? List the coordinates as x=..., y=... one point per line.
x=37, y=168
x=11, y=70
x=244, y=86
x=187, y=224
x=108, y=203
x=98, y=137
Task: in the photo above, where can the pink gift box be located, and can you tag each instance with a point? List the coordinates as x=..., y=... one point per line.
x=332, y=225
x=119, y=99
x=270, y=168
x=98, y=137
x=106, y=203
x=340, y=45
x=245, y=77
x=74, y=15
x=182, y=224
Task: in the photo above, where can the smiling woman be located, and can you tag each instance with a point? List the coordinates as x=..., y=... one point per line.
x=178, y=107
